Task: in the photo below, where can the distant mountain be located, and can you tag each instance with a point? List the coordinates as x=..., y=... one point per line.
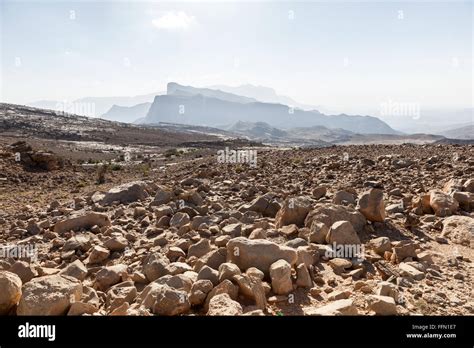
x=127, y=114
x=434, y=121
x=93, y=106
x=266, y=95
x=257, y=130
x=179, y=90
x=201, y=110
x=322, y=133
x=464, y=132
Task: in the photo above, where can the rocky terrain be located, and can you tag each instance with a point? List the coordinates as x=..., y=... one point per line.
x=341, y=230
x=24, y=121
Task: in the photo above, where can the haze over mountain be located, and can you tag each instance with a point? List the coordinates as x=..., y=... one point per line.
x=463, y=132
x=127, y=114
x=198, y=106
x=176, y=89
x=94, y=106
x=265, y=94
x=428, y=120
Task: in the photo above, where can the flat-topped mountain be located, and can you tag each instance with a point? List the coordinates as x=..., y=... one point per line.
x=181, y=106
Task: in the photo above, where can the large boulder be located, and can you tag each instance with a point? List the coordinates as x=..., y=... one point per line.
x=164, y=300
x=258, y=253
x=442, y=203
x=465, y=200
x=280, y=273
x=179, y=219
x=10, y=291
x=49, y=295
x=459, y=229
x=372, y=206
x=293, y=211
x=126, y=193
x=382, y=305
x=422, y=205
x=342, y=232
x=109, y=276
x=163, y=196
x=330, y=213
x=339, y=307
x=154, y=266
x=76, y=270
x=82, y=222
x=266, y=205
x=222, y=304
x=36, y=159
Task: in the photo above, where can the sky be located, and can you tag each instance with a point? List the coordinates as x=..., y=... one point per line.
x=347, y=56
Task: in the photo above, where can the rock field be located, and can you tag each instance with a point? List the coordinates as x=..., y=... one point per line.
x=346, y=230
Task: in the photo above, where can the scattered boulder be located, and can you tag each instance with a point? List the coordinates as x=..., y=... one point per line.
x=319, y=192
x=372, y=206
x=293, y=211
x=265, y=205
x=82, y=222
x=24, y=270
x=330, y=213
x=222, y=305
x=318, y=232
x=382, y=305
x=126, y=193
x=179, y=219
x=98, y=254
x=165, y=300
x=258, y=253
x=442, y=203
x=49, y=295
x=459, y=229
x=380, y=245
x=110, y=275
x=342, y=232
x=10, y=291
x=339, y=307
x=280, y=273
x=76, y=270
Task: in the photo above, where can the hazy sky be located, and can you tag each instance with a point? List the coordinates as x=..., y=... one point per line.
x=350, y=56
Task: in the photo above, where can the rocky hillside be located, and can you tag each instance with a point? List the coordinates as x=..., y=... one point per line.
x=24, y=121
x=351, y=230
